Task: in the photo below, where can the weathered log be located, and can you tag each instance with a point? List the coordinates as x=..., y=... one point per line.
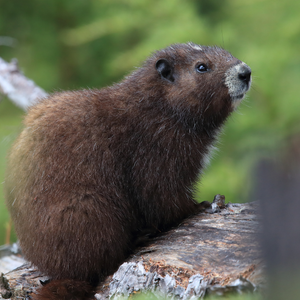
x=209, y=253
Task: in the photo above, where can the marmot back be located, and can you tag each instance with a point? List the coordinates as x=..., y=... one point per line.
x=93, y=168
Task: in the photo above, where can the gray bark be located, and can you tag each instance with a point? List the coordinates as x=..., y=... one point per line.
x=211, y=253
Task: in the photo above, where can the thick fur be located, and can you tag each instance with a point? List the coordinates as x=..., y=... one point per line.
x=93, y=168
x=64, y=290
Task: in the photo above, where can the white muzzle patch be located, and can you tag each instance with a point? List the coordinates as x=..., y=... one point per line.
x=238, y=82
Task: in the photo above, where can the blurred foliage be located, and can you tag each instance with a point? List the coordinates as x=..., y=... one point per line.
x=70, y=44
x=150, y=296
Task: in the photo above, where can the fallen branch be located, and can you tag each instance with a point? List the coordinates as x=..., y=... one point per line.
x=22, y=91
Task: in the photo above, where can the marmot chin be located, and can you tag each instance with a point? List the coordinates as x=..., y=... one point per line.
x=93, y=168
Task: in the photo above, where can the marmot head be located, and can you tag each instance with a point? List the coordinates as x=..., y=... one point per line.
x=205, y=82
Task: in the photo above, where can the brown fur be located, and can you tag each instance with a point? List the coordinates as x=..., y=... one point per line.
x=65, y=289
x=93, y=168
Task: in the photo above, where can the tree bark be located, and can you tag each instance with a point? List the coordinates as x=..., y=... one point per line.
x=209, y=253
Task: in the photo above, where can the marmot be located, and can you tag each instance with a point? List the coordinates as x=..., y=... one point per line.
x=93, y=168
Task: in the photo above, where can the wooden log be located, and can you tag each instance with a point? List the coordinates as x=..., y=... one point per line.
x=215, y=252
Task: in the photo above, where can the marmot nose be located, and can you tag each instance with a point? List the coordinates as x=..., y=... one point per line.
x=244, y=74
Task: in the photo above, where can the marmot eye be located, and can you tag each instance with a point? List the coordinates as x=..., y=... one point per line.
x=202, y=68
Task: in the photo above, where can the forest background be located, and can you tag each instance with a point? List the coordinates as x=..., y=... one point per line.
x=73, y=44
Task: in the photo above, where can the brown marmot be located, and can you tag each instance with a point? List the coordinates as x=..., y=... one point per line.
x=93, y=168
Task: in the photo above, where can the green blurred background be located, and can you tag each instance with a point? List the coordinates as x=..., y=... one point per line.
x=73, y=44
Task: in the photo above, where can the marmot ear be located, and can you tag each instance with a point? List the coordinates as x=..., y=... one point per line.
x=165, y=69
